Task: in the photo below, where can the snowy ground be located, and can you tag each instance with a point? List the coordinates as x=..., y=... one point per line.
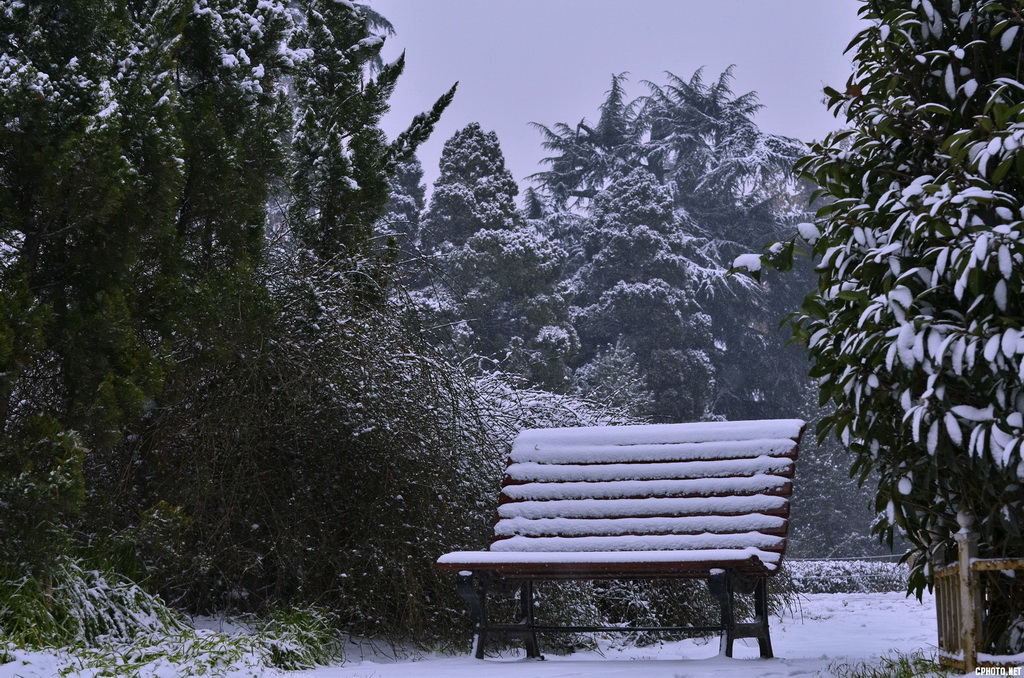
x=821, y=631
x=824, y=629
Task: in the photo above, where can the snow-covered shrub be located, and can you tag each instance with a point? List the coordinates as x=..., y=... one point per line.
x=298, y=638
x=79, y=606
x=100, y=623
x=895, y=665
x=915, y=330
x=846, y=576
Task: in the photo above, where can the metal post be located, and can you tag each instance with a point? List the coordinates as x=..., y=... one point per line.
x=764, y=639
x=528, y=621
x=720, y=585
x=473, y=590
x=970, y=591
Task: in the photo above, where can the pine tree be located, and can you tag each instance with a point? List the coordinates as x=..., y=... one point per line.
x=717, y=163
x=728, y=190
x=88, y=198
x=587, y=157
x=342, y=159
x=406, y=202
x=473, y=192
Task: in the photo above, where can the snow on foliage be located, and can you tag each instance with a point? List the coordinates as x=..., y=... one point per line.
x=915, y=329
x=849, y=576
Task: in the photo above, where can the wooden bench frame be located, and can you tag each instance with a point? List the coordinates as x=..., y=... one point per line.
x=728, y=572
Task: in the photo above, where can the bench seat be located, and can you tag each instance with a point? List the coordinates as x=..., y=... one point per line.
x=567, y=565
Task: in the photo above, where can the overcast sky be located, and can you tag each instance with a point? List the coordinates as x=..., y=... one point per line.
x=548, y=61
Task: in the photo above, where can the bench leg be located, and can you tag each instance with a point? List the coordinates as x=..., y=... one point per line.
x=473, y=590
x=720, y=585
x=723, y=587
x=764, y=639
x=527, y=620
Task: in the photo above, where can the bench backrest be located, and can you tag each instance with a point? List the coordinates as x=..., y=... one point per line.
x=714, y=485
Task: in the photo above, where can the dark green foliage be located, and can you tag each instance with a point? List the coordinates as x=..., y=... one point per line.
x=473, y=191
x=586, y=158
x=369, y=435
x=41, y=490
x=497, y=275
x=342, y=159
x=634, y=291
x=676, y=184
x=613, y=376
x=914, y=327
x=224, y=421
x=406, y=200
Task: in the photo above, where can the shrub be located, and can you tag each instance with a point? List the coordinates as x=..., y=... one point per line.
x=846, y=576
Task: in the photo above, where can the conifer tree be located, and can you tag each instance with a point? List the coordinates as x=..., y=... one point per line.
x=498, y=274
x=473, y=192
x=634, y=290
x=728, y=191
x=406, y=202
x=587, y=157
x=342, y=159
x=88, y=194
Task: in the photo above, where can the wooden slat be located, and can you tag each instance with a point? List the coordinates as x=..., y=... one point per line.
x=638, y=489
x=551, y=527
x=619, y=565
x=641, y=543
x=519, y=473
x=640, y=434
x=769, y=504
x=664, y=452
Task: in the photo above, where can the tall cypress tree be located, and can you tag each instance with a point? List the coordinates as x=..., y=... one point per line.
x=342, y=159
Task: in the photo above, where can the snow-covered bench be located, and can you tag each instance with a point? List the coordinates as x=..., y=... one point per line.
x=703, y=500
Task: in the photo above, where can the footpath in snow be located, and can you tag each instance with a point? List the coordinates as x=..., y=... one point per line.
x=822, y=630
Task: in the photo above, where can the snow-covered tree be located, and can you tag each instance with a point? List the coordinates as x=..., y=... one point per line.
x=633, y=290
x=915, y=330
x=585, y=157
x=725, y=174
x=406, y=202
x=473, y=191
x=497, y=276
x=342, y=159
x=726, y=188
x=161, y=360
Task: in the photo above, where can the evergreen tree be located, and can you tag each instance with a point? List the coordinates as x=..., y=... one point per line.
x=726, y=190
x=724, y=173
x=89, y=179
x=473, y=192
x=914, y=328
x=587, y=157
x=406, y=202
x=158, y=359
x=498, y=275
x=634, y=290
x=342, y=159
x=614, y=377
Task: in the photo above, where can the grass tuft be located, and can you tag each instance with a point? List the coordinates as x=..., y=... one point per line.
x=896, y=665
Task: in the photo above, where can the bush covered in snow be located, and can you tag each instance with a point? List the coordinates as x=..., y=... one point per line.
x=915, y=330
x=846, y=576
x=98, y=623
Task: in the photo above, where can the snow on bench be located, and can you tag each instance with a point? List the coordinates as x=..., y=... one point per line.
x=702, y=500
